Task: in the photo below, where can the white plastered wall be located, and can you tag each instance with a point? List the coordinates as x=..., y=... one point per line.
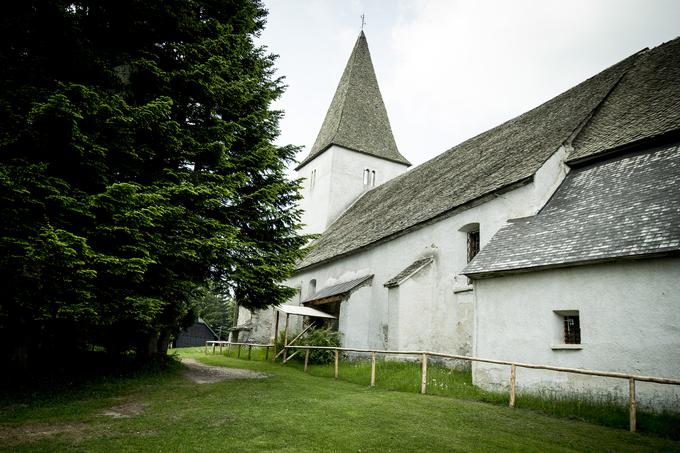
x=338, y=183
x=435, y=308
x=630, y=322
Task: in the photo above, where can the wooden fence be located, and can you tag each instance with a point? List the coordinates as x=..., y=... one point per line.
x=424, y=355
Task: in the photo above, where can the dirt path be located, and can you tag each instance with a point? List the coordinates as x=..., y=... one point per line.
x=206, y=374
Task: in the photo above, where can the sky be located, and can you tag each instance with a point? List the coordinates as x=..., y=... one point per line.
x=447, y=69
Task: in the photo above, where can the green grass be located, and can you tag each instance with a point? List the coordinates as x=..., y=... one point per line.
x=289, y=411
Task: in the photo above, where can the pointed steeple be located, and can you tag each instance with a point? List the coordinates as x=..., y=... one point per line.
x=356, y=118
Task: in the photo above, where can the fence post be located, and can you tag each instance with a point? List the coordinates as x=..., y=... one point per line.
x=513, y=375
x=306, y=359
x=238, y=354
x=220, y=348
x=633, y=406
x=423, y=374
x=372, y=368
x=337, y=363
x=206, y=347
x=266, y=353
x=250, y=350
x=213, y=347
x=229, y=349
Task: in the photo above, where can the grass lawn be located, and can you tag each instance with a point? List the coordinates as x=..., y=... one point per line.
x=288, y=411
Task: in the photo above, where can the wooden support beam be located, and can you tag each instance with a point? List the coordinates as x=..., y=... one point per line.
x=633, y=406
x=285, y=339
x=291, y=356
x=423, y=374
x=276, y=335
x=372, y=368
x=337, y=363
x=513, y=376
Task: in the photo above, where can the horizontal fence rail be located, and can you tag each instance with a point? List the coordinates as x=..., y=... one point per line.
x=424, y=355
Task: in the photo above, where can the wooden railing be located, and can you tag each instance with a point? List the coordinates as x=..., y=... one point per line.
x=229, y=344
x=424, y=355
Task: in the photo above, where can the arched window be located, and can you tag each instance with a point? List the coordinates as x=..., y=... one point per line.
x=471, y=231
x=372, y=178
x=367, y=177
x=312, y=288
x=312, y=180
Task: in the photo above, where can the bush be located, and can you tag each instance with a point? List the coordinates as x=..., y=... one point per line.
x=315, y=337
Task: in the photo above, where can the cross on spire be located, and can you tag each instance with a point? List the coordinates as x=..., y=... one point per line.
x=363, y=21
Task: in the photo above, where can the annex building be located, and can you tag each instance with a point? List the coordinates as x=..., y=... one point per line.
x=552, y=238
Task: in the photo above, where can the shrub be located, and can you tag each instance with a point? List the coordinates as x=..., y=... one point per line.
x=315, y=337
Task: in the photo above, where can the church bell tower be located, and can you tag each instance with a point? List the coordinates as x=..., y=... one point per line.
x=355, y=150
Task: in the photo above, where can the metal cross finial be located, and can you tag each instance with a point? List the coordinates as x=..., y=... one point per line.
x=363, y=21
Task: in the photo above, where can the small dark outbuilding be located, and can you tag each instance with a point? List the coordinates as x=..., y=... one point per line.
x=195, y=335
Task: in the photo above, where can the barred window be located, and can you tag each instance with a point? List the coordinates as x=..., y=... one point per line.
x=572, y=329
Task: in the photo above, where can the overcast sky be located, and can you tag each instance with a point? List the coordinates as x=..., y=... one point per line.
x=449, y=70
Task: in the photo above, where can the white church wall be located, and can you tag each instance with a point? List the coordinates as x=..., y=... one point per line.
x=316, y=192
x=442, y=305
x=629, y=317
x=338, y=182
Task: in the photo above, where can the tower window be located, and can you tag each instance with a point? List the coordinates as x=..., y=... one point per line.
x=369, y=177
x=312, y=180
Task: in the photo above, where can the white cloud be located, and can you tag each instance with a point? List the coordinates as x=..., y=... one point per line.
x=450, y=69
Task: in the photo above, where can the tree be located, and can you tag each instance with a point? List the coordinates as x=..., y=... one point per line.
x=137, y=166
x=216, y=308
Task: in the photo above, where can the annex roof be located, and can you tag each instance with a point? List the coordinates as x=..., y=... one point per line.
x=303, y=311
x=628, y=207
x=409, y=271
x=338, y=290
x=585, y=116
x=645, y=104
x=357, y=118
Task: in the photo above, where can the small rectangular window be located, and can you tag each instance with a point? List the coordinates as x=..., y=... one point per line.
x=572, y=329
x=472, y=244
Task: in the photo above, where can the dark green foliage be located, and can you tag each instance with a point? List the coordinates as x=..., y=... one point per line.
x=314, y=337
x=136, y=166
x=216, y=309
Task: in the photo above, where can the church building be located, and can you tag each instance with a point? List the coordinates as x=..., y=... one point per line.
x=553, y=238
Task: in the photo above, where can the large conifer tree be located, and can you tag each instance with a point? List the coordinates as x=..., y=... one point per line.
x=136, y=165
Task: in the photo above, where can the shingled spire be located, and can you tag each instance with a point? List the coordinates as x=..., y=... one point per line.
x=357, y=119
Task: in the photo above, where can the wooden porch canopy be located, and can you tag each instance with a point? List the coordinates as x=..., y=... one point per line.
x=337, y=292
x=296, y=311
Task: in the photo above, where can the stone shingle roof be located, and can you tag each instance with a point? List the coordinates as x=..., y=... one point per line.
x=505, y=155
x=410, y=270
x=339, y=289
x=645, y=104
x=357, y=118
x=626, y=207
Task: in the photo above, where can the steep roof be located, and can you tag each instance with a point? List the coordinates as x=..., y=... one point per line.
x=503, y=156
x=645, y=104
x=626, y=207
x=357, y=118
